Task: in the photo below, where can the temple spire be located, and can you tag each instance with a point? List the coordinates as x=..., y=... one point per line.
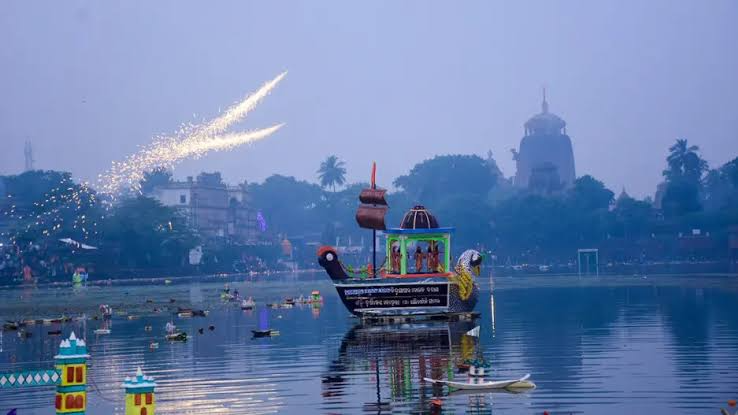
x=544, y=104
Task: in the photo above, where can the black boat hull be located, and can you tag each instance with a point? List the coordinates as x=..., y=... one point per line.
x=425, y=296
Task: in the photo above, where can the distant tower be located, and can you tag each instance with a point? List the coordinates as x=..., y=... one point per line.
x=140, y=394
x=545, y=150
x=28, y=152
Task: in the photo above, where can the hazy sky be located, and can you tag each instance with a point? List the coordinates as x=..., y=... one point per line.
x=392, y=81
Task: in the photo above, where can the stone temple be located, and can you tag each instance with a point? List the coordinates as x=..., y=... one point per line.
x=545, y=160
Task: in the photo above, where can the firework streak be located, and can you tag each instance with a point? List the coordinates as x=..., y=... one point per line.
x=191, y=141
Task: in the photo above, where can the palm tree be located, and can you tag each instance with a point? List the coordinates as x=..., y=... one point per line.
x=684, y=162
x=332, y=172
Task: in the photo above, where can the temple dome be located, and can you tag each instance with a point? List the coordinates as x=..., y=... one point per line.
x=545, y=122
x=544, y=144
x=419, y=218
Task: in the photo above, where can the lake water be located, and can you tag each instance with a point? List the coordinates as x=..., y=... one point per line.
x=608, y=345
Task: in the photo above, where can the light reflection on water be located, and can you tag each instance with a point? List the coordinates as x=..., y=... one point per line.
x=608, y=345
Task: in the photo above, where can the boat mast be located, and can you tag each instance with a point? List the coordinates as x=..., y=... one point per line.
x=371, y=212
x=374, y=231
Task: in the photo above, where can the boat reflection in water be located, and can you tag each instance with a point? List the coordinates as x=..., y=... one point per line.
x=395, y=358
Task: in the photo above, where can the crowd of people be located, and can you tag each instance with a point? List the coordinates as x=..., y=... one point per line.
x=36, y=262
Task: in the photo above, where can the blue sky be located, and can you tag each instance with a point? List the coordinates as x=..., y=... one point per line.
x=397, y=82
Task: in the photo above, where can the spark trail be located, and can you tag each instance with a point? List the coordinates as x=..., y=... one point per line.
x=225, y=142
x=191, y=141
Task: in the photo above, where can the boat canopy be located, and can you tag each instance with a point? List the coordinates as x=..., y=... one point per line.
x=438, y=261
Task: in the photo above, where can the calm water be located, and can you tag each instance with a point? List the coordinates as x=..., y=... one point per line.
x=661, y=345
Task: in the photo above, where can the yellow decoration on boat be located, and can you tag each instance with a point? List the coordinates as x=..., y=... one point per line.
x=463, y=279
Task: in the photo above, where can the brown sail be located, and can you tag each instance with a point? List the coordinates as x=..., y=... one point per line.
x=371, y=217
x=373, y=196
x=374, y=207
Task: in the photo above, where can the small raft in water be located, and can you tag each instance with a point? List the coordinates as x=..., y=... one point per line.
x=265, y=333
x=177, y=337
x=480, y=384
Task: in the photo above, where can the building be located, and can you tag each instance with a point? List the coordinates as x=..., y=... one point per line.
x=545, y=157
x=213, y=208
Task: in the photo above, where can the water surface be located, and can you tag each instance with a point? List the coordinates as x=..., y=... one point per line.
x=609, y=345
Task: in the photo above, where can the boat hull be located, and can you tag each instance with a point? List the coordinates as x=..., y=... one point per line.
x=522, y=383
x=415, y=297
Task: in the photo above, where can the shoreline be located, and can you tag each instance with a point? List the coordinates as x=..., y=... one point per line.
x=123, y=280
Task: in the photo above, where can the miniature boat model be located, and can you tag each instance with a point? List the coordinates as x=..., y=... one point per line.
x=177, y=336
x=106, y=310
x=431, y=287
x=188, y=312
x=265, y=333
x=315, y=297
x=396, y=290
x=11, y=325
x=480, y=384
x=248, y=304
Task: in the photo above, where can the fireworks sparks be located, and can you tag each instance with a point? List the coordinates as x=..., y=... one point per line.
x=67, y=203
x=192, y=141
x=224, y=142
x=67, y=206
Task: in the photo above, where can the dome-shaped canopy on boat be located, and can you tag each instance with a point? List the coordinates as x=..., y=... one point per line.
x=419, y=218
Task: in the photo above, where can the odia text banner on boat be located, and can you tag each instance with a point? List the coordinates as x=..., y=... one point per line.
x=383, y=296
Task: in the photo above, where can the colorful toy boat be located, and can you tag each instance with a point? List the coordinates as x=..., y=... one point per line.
x=429, y=287
x=248, y=304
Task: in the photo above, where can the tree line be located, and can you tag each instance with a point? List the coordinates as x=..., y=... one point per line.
x=527, y=225
x=469, y=192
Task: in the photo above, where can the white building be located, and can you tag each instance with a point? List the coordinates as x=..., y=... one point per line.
x=211, y=207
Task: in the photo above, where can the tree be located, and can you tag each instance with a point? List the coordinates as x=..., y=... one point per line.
x=332, y=172
x=683, y=162
x=436, y=179
x=590, y=194
x=683, y=179
x=289, y=206
x=49, y=204
x=142, y=233
x=633, y=218
x=158, y=177
x=532, y=227
x=720, y=193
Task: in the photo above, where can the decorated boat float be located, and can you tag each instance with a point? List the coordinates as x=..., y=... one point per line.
x=416, y=278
